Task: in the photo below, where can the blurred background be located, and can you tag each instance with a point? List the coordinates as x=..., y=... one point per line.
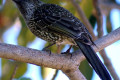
x=13, y=30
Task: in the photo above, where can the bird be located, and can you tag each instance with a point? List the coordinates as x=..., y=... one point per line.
x=57, y=25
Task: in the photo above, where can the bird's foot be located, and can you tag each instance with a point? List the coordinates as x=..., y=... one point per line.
x=47, y=50
x=68, y=52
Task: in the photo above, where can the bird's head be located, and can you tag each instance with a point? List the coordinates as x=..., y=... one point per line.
x=27, y=7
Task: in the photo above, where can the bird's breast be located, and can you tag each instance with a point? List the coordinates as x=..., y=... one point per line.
x=65, y=41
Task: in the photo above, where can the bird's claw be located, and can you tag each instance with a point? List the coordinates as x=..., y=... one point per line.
x=47, y=50
x=67, y=53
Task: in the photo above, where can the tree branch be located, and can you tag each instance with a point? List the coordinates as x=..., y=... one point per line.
x=54, y=76
x=107, y=40
x=76, y=75
x=107, y=7
x=37, y=57
x=56, y=61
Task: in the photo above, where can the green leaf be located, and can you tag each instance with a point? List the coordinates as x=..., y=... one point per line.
x=87, y=7
x=86, y=69
x=7, y=69
x=7, y=16
x=10, y=66
x=109, y=25
x=46, y=71
x=0, y=2
x=26, y=35
x=68, y=7
x=53, y=1
x=21, y=69
x=24, y=78
x=92, y=20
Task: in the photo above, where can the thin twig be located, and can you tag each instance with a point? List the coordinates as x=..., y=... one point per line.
x=59, y=49
x=56, y=73
x=14, y=72
x=108, y=6
x=99, y=18
x=84, y=18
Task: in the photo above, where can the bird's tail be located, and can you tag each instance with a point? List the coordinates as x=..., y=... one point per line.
x=94, y=61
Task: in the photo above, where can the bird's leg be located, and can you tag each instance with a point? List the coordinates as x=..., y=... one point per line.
x=46, y=48
x=68, y=51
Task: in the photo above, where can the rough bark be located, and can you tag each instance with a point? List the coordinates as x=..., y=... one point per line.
x=57, y=61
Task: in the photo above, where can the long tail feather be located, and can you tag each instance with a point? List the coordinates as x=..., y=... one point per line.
x=94, y=61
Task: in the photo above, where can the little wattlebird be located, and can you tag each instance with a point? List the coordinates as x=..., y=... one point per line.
x=58, y=26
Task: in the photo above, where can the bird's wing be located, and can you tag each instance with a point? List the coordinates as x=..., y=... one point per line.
x=62, y=21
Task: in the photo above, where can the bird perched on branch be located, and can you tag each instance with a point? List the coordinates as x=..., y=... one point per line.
x=58, y=26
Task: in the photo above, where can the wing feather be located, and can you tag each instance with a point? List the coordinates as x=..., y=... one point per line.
x=64, y=23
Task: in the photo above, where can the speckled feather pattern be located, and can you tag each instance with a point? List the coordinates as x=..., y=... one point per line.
x=55, y=24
